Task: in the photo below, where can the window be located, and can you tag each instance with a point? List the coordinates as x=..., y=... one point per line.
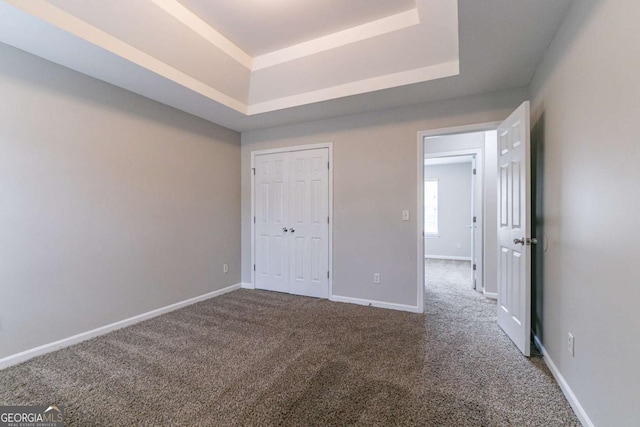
x=431, y=207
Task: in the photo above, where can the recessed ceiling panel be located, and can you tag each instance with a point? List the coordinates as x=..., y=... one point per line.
x=262, y=26
x=145, y=26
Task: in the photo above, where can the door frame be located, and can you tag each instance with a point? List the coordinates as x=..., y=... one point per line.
x=478, y=127
x=327, y=145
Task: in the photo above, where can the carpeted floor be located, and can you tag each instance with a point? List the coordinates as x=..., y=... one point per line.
x=260, y=358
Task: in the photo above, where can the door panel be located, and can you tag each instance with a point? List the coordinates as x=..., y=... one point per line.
x=291, y=230
x=271, y=249
x=514, y=225
x=309, y=180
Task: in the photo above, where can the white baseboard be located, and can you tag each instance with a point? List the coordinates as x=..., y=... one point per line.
x=247, y=285
x=66, y=342
x=454, y=258
x=379, y=304
x=491, y=295
x=564, y=386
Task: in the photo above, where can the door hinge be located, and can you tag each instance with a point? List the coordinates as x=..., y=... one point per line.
x=254, y=170
x=327, y=274
x=254, y=267
x=475, y=219
x=328, y=165
x=328, y=220
x=475, y=267
x=254, y=219
x=474, y=171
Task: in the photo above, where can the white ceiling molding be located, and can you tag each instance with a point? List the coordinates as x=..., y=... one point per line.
x=191, y=20
x=438, y=161
x=352, y=35
x=72, y=25
x=362, y=86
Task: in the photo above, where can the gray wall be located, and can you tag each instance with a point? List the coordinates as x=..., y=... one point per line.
x=454, y=211
x=111, y=205
x=586, y=107
x=375, y=177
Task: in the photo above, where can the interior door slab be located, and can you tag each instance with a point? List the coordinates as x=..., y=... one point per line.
x=514, y=225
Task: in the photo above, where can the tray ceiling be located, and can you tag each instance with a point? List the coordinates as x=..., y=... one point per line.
x=262, y=26
x=241, y=63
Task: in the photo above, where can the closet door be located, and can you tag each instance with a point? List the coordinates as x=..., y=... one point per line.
x=291, y=233
x=308, y=222
x=271, y=242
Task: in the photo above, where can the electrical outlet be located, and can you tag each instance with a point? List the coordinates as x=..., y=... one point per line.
x=405, y=215
x=376, y=278
x=570, y=344
x=225, y=268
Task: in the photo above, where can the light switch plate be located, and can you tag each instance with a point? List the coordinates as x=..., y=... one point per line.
x=405, y=215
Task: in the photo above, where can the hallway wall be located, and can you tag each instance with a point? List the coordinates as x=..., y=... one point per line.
x=586, y=106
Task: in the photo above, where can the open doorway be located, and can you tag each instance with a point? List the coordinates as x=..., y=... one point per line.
x=450, y=221
x=459, y=206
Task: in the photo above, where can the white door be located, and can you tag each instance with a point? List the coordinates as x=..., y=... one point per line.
x=271, y=219
x=514, y=226
x=295, y=229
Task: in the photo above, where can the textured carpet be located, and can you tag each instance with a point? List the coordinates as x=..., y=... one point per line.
x=262, y=358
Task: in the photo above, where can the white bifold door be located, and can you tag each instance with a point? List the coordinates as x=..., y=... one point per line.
x=514, y=228
x=291, y=231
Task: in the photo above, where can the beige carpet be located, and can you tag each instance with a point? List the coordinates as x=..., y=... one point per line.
x=259, y=358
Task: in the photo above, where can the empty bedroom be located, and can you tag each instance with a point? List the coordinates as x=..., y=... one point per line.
x=319, y=213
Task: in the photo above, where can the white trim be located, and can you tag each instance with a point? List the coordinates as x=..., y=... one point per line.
x=366, y=31
x=245, y=285
x=329, y=147
x=432, y=72
x=420, y=220
x=564, y=386
x=464, y=152
x=454, y=130
x=204, y=30
x=17, y=358
x=490, y=295
x=88, y=33
x=378, y=304
x=455, y=258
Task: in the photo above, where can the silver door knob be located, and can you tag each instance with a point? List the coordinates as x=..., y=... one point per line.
x=285, y=229
x=292, y=230
x=518, y=241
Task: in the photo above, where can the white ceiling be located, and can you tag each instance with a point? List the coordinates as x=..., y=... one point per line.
x=385, y=54
x=262, y=26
